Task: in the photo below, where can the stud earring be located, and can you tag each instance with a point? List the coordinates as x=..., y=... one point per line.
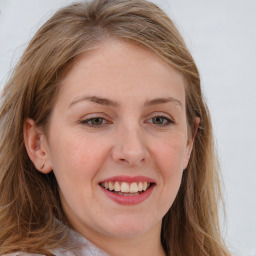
x=42, y=166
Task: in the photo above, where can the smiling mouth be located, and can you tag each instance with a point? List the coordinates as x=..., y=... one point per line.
x=125, y=188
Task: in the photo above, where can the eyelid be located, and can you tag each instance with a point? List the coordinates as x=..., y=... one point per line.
x=167, y=117
x=95, y=115
x=106, y=120
x=161, y=114
x=86, y=119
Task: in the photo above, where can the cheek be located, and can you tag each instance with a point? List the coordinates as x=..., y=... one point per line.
x=76, y=158
x=172, y=171
x=75, y=163
x=172, y=154
x=169, y=159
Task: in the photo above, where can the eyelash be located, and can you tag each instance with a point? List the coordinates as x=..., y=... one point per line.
x=88, y=122
x=167, y=121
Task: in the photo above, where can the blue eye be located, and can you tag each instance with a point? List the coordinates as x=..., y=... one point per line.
x=161, y=121
x=94, y=122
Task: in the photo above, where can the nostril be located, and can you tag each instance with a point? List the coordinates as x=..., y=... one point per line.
x=125, y=161
x=125, y=155
x=130, y=162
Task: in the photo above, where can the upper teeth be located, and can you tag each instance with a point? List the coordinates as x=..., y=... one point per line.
x=125, y=187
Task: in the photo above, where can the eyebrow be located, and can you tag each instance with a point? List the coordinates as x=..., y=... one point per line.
x=95, y=99
x=162, y=101
x=111, y=103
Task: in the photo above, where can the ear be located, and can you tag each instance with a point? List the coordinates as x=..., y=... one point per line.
x=36, y=146
x=190, y=142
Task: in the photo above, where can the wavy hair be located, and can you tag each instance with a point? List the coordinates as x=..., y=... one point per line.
x=29, y=200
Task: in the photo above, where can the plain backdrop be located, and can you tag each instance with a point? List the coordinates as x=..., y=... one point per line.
x=221, y=36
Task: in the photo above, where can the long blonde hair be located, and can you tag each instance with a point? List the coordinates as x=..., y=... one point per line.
x=29, y=200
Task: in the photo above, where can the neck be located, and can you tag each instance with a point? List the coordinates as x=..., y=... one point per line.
x=146, y=244
x=133, y=246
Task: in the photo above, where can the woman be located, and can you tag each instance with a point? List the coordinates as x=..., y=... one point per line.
x=106, y=141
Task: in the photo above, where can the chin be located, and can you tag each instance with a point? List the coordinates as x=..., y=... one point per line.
x=127, y=227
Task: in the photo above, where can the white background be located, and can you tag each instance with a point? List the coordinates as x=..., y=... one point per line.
x=221, y=35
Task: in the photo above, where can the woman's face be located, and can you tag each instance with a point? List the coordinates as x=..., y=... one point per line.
x=119, y=124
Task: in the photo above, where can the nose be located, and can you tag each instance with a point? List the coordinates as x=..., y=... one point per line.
x=130, y=148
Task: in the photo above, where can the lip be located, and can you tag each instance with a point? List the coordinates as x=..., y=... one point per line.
x=133, y=199
x=128, y=179
x=129, y=200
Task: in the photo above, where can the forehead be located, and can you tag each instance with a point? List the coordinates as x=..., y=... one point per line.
x=116, y=69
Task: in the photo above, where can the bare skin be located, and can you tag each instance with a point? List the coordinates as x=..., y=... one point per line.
x=120, y=112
